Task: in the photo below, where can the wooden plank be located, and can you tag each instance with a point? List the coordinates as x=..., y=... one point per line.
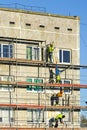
x=53, y=85
x=21, y=60
x=24, y=83
x=18, y=128
x=42, y=106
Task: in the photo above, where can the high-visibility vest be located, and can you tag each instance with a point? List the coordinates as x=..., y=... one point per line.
x=59, y=94
x=58, y=78
x=59, y=116
x=50, y=49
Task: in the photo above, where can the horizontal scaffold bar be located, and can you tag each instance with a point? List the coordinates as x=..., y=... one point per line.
x=52, y=85
x=18, y=128
x=20, y=61
x=16, y=61
x=31, y=106
x=24, y=84
x=19, y=40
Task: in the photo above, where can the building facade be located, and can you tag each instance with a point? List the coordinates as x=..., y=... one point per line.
x=24, y=38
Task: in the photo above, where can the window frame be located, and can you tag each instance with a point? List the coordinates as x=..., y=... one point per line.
x=4, y=116
x=67, y=88
x=35, y=55
x=6, y=88
x=35, y=113
x=61, y=56
x=10, y=51
x=32, y=88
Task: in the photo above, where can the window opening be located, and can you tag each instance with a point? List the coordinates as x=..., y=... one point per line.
x=12, y=22
x=33, y=53
x=69, y=29
x=28, y=24
x=64, y=56
x=35, y=116
x=67, y=90
x=42, y=26
x=35, y=88
x=6, y=51
x=57, y=28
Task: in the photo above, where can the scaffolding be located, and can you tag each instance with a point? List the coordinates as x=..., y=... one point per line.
x=16, y=101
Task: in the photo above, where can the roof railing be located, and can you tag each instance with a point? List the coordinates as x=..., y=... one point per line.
x=23, y=7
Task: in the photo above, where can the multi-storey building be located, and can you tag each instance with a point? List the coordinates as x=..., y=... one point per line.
x=25, y=92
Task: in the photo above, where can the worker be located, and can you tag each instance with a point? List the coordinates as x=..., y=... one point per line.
x=53, y=122
x=57, y=73
x=58, y=95
x=50, y=52
x=51, y=78
x=52, y=99
x=59, y=117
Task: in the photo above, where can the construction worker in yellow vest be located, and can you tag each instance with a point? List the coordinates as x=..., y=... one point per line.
x=59, y=117
x=57, y=73
x=50, y=52
x=53, y=122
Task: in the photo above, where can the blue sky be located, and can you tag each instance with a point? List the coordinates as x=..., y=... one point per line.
x=65, y=7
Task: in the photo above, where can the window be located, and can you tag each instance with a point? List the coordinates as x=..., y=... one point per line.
x=38, y=88
x=6, y=78
x=33, y=53
x=29, y=87
x=6, y=88
x=66, y=89
x=36, y=53
x=6, y=50
x=35, y=88
x=29, y=53
x=36, y=116
x=64, y=56
x=5, y=117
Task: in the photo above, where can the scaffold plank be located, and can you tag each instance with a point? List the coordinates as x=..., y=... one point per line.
x=29, y=106
x=7, y=83
x=52, y=85
x=17, y=128
x=24, y=84
x=14, y=60
x=18, y=61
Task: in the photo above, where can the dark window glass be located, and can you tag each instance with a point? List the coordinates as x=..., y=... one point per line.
x=29, y=87
x=66, y=56
x=67, y=89
x=36, y=53
x=60, y=55
x=29, y=53
x=38, y=88
x=5, y=51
